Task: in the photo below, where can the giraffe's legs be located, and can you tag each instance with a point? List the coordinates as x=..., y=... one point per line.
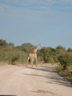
x=32, y=62
x=27, y=61
x=36, y=61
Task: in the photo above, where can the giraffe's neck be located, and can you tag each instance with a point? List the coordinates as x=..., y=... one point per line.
x=35, y=49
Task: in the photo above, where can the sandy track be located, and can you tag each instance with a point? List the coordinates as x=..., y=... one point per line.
x=28, y=81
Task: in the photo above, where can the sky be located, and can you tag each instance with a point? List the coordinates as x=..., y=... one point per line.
x=48, y=22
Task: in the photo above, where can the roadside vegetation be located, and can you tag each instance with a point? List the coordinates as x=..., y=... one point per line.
x=18, y=55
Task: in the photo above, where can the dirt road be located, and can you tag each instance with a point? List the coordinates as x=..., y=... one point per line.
x=28, y=81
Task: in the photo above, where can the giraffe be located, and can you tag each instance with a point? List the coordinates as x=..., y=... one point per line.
x=33, y=55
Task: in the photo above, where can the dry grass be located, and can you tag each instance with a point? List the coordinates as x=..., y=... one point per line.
x=23, y=64
x=46, y=64
x=3, y=63
x=43, y=91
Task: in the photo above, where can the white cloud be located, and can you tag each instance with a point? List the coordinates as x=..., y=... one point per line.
x=30, y=1
x=39, y=4
x=12, y=1
x=66, y=1
x=39, y=1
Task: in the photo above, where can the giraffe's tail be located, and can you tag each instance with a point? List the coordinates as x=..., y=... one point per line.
x=28, y=58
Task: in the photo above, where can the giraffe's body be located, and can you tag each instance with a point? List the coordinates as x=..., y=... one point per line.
x=33, y=55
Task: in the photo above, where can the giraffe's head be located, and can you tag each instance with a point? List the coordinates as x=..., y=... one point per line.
x=36, y=48
x=39, y=45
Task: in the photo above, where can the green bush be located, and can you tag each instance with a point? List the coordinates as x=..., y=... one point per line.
x=13, y=59
x=48, y=55
x=26, y=47
x=65, y=60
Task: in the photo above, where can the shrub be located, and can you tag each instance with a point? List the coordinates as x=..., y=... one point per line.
x=65, y=60
x=48, y=55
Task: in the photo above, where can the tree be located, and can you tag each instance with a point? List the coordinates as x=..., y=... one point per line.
x=60, y=48
x=27, y=47
x=65, y=60
x=3, y=43
x=48, y=54
x=69, y=50
x=10, y=45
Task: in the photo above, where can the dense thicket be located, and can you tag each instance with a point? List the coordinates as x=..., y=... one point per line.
x=18, y=54
x=10, y=52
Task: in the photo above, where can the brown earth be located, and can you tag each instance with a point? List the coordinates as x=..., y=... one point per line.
x=32, y=81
